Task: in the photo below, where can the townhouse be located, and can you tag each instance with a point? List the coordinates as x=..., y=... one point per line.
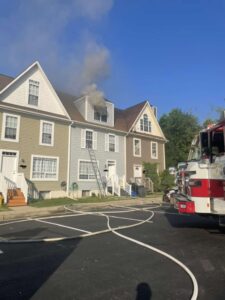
x=54, y=144
x=98, y=147
x=34, y=128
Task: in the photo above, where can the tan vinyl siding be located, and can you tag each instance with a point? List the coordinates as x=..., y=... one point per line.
x=145, y=154
x=28, y=145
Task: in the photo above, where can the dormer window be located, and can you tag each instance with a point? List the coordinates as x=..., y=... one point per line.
x=145, y=124
x=100, y=113
x=33, y=92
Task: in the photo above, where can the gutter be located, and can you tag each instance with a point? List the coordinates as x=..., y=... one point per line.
x=68, y=160
x=33, y=113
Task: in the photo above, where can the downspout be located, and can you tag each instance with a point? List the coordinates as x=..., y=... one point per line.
x=68, y=161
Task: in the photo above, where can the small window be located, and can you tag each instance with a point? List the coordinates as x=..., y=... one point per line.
x=47, y=133
x=145, y=124
x=33, y=92
x=10, y=127
x=89, y=139
x=154, y=150
x=112, y=143
x=100, y=113
x=137, y=147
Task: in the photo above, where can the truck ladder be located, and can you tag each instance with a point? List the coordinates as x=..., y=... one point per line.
x=97, y=172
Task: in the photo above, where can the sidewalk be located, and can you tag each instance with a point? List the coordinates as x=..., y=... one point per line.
x=21, y=212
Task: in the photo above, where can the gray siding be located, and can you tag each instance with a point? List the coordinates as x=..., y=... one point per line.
x=110, y=111
x=80, y=105
x=78, y=153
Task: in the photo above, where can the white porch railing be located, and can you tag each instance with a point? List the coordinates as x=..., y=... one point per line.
x=5, y=185
x=22, y=184
x=125, y=186
x=117, y=183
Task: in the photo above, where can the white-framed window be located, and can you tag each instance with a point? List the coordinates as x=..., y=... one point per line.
x=33, y=92
x=88, y=139
x=44, y=168
x=46, y=133
x=111, y=143
x=145, y=124
x=136, y=147
x=154, y=150
x=86, y=171
x=10, y=127
x=100, y=113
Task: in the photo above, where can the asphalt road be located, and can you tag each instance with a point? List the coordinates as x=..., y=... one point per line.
x=108, y=266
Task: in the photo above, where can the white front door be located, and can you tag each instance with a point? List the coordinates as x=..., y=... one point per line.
x=9, y=164
x=111, y=167
x=137, y=171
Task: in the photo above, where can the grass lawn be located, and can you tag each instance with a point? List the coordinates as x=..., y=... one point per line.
x=66, y=201
x=4, y=207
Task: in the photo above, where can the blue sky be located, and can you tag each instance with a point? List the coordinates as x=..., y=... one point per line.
x=170, y=52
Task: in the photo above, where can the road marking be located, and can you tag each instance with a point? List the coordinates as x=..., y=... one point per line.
x=60, y=225
x=115, y=217
x=1, y=252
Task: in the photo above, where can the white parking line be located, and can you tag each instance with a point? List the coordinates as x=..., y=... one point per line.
x=60, y=225
x=115, y=217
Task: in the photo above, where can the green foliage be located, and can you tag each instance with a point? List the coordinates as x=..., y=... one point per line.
x=161, y=181
x=151, y=172
x=167, y=180
x=179, y=128
x=208, y=122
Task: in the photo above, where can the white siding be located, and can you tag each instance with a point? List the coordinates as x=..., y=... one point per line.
x=18, y=93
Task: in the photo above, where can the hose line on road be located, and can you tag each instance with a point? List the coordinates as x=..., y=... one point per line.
x=173, y=259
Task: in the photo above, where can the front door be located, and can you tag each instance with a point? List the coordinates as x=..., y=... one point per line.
x=137, y=171
x=9, y=164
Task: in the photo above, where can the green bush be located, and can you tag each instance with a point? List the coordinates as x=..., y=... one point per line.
x=161, y=181
x=167, y=180
x=151, y=172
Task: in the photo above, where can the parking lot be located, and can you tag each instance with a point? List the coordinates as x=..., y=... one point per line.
x=140, y=252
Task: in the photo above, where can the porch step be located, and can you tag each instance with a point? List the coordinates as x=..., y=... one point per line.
x=16, y=198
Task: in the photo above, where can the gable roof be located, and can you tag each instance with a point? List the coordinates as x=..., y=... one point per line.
x=124, y=119
x=5, y=80
x=131, y=113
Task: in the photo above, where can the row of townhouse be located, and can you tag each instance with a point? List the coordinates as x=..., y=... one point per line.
x=54, y=144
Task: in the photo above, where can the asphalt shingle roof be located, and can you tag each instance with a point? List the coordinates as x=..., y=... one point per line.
x=123, y=118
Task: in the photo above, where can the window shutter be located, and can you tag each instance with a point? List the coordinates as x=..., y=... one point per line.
x=83, y=138
x=116, y=143
x=106, y=142
x=95, y=140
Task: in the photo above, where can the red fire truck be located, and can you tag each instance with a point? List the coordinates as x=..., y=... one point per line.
x=205, y=175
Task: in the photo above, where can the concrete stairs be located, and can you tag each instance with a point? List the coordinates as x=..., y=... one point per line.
x=15, y=198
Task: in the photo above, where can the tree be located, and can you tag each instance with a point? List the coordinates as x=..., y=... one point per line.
x=179, y=128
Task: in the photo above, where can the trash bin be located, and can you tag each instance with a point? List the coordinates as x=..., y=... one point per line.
x=141, y=191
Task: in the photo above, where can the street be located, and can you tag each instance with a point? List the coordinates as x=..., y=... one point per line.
x=81, y=256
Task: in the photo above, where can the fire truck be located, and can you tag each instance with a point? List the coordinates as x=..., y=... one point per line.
x=204, y=175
